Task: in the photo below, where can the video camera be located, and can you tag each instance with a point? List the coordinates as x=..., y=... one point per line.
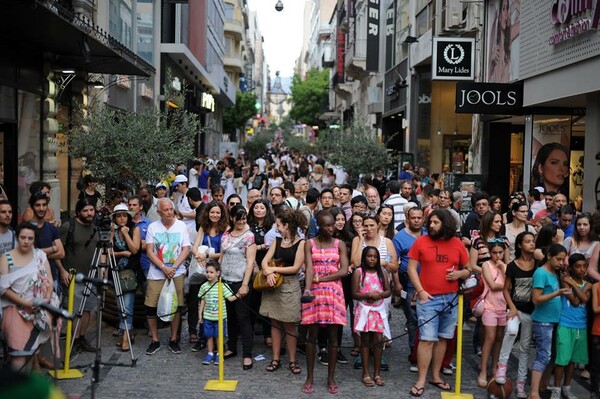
x=103, y=225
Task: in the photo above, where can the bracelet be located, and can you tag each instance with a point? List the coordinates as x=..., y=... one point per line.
x=420, y=292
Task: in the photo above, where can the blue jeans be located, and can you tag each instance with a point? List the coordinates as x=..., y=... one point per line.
x=411, y=316
x=437, y=317
x=543, y=345
x=129, y=302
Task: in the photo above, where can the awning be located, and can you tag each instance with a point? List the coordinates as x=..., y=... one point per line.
x=74, y=41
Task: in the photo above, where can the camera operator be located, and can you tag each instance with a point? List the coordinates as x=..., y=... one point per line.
x=80, y=238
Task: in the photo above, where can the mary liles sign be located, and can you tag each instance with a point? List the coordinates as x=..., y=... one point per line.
x=453, y=58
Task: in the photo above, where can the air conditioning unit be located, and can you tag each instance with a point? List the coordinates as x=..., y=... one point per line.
x=449, y=16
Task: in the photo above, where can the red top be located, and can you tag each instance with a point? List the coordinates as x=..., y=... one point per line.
x=436, y=258
x=596, y=325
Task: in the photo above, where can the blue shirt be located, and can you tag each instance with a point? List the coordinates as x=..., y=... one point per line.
x=403, y=241
x=549, y=311
x=144, y=260
x=573, y=316
x=203, y=180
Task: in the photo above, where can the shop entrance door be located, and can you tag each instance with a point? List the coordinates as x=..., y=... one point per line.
x=8, y=163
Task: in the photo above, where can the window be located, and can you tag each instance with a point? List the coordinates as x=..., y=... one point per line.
x=120, y=24
x=229, y=11
x=145, y=29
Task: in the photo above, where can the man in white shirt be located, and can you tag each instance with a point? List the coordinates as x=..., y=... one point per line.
x=194, y=172
x=167, y=246
x=262, y=164
x=396, y=201
x=183, y=208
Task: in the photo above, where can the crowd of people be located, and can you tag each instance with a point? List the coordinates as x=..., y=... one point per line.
x=333, y=251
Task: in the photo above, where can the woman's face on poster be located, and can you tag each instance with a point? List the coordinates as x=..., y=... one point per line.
x=556, y=168
x=504, y=14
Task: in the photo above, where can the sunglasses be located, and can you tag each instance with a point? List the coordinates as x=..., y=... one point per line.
x=234, y=203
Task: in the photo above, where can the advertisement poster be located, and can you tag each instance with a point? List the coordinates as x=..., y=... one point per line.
x=503, y=33
x=550, y=153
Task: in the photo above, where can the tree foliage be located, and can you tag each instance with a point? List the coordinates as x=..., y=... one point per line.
x=356, y=148
x=237, y=116
x=257, y=145
x=309, y=96
x=117, y=145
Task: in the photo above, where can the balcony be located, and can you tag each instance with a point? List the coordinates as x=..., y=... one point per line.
x=356, y=59
x=233, y=62
x=235, y=28
x=342, y=88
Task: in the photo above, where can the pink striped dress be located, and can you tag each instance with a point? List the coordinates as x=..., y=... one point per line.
x=328, y=306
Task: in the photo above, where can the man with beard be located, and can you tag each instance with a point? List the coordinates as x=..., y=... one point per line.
x=277, y=195
x=372, y=200
x=443, y=260
x=80, y=238
x=403, y=241
x=7, y=235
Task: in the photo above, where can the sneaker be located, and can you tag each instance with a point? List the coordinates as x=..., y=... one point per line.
x=216, y=359
x=198, y=346
x=357, y=365
x=85, y=346
x=118, y=333
x=153, y=348
x=478, y=352
x=453, y=366
x=341, y=359
x=521, y=392
x=446, y=370
x=384, y=364
x=585, y=375
x=567, y=393
x=501, y=373
x=174, y=347
x=413, y=368
x=555, y=392
x=322, y=357
x=208, y=359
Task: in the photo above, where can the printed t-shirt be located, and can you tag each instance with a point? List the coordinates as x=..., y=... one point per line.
x=210, y=293
x=436, y=258
x=520, y=290
x=168, y=244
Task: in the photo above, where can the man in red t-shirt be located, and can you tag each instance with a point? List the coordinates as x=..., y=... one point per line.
x=443, y=260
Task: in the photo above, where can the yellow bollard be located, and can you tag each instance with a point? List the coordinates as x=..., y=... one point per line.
x=459, y=337
x=67, y=373
x=221, y=384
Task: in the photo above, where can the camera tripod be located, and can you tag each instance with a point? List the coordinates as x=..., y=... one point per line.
x=103, y=259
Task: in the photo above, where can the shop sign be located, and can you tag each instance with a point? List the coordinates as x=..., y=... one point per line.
x=340, y=53
x=489, y=98
x=208, y=102
x=123, y=81
x=373, y=36
x=573, y=18
x=453, y=58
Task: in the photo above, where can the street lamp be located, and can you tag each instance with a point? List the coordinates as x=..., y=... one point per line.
x=279, y=5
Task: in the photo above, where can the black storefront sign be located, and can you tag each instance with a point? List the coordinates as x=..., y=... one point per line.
x=453, y=58
x=489, y=98
x=373, y=36
x=390, y=35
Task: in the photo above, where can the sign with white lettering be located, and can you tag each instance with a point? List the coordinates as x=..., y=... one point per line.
x=373, y=35
x=453, y=58
x=489, y=98
x=208, y=101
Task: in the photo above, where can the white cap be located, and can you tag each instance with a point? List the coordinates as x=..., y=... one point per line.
x=161, y=185
x=540, y=189
x=180, y=179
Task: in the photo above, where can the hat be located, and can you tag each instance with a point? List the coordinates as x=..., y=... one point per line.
x=194, y=194
x=121, y=208
x=540, y=189
x=161, y=185
x=179, y=179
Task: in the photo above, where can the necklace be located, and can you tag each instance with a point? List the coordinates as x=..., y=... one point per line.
x=286, y=240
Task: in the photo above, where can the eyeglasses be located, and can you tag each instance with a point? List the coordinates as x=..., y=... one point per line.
x=357, y=221
x=234, y=203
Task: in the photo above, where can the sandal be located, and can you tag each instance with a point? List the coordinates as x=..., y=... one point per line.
x=416, y=391
x=379, y=381
x=295, y=368
x=368, y=382
x=333, y=389
x=355, y=351
x=275, y=364
x=308, y=388
x=193, y=338
x=482, y=383
x=443, y=385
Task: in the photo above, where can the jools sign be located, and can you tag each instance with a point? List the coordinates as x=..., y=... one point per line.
x=489, y=98
x=453, y=58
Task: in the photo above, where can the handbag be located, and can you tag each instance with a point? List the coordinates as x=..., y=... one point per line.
x=260, y=280
x=197, y=270
x=128, y=280
x=479, y=306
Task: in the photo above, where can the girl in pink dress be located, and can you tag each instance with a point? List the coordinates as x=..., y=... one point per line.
x=326, y=263
x=369, y=287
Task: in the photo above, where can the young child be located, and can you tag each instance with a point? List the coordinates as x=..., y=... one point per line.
x=369, y=287
x=494, y=309
x=571, y=334
x=545, y=295
x=208, y=309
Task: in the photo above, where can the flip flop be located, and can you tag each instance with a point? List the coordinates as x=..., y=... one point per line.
x=443, y=385
x=333, y=389
x=379, y=381
x=368, y=382
x=308, y=388
x=416, y=391
x=481, y=383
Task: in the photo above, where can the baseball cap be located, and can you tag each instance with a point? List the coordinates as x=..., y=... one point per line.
x=179, y=179
x=540, y=189
x=161, y=185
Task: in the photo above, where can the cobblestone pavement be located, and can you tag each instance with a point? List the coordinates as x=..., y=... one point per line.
x=167, y=375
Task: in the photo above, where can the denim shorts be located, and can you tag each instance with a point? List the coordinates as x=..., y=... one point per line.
x=543, y=345
x=433, y=326
x=210, y=328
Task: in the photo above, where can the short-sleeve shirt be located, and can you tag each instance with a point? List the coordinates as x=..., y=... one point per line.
x=573, y=316
x=520, y=290
x=549, y=311
x=46, y=235
x=168, y=244
x=234, y=250
x=7, y=241
x=210, y=294
x=436, y=258
x=80, y=248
